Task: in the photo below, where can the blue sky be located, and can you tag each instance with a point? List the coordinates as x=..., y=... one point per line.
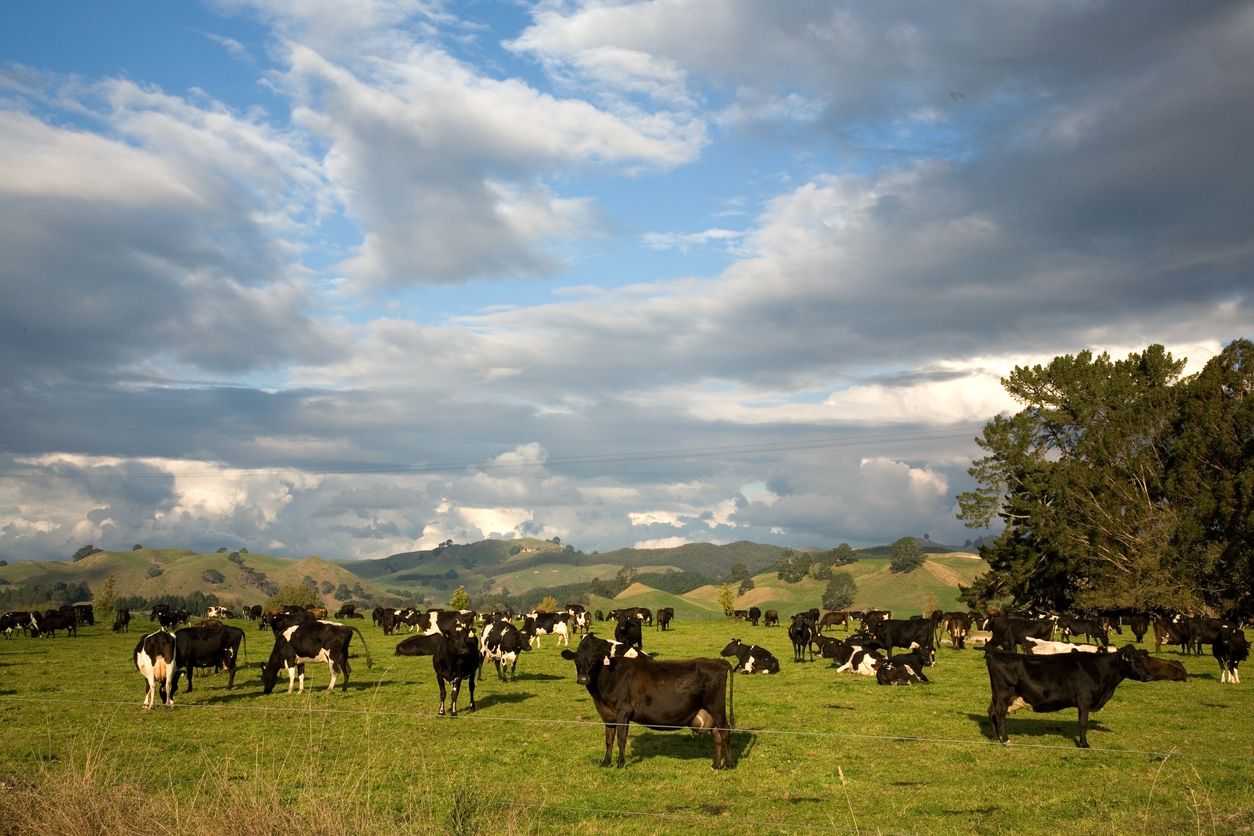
x=353, y=278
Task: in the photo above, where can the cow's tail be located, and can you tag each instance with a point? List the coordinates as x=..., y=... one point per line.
x=369, y=663
x=244, y=639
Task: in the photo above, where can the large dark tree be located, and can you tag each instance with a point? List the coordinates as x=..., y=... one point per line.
x=1119, y=484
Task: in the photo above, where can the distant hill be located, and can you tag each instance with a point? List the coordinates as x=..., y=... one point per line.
x=181, y=572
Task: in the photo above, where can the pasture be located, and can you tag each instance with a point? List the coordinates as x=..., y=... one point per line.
x=816, y=752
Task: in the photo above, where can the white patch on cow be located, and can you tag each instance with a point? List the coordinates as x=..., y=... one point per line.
x=702, y=723
x=287, y=634
x=749, y=663
x=324, y=621
x=562, y=632
x=1017, y=704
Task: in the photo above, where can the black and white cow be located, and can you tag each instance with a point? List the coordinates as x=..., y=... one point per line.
x=440, y=621
x=691, y=693
x=502, y=642
x=751, y=658
x=310, y=641
x=539, y=624
x=156, y=658
x=1084, y=681
x=908, y=633
x=1230, y=648
x=456, y=658
x=903, y=669
x=628, y=631
x=801, y=632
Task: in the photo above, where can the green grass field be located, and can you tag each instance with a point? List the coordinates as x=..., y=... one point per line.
x=816, y=751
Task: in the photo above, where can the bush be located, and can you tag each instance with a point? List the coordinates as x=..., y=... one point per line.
x=460, y=599
x=840, y=591
x=85, y=551
x=136, y=547
x=299, y=595
x=907, y=555
x=212, y=576
x=153, y=571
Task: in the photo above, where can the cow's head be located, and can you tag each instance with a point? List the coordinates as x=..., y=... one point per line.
x=732, y=647
x=269, y=675
x=1132, y=664
x=591, y=654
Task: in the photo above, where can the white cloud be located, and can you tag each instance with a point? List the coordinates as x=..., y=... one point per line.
x=663, y=543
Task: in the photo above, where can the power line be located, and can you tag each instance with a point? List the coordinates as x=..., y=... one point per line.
x=550, y=462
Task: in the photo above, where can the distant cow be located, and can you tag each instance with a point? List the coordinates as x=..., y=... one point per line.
x=628, y=632
x=770, y=617
x=1010, y=632
x=831, y=619
x=310, y=641
x=156, y=656
x=958, y=625
x=347, y=611
x=1040, y=647
x=800, y=632
x=665, y=614
x=547, y=624
x=908, y=633
x=1084, y=681
x=751, y=658
x=691, y=693
x=1163, y=669
x=755, y=615
x=122, y=621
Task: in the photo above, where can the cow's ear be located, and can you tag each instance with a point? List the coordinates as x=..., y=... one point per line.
x=567, y=655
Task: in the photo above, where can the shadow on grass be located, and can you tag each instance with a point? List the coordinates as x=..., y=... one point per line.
x=538, y=677
x=1037, y=726
x=643, y=744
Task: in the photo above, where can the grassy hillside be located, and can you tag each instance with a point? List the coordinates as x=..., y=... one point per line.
x=182, y=573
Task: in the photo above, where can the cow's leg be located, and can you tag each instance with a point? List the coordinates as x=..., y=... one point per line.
x=348, y=668
x=471, y=686
x=230, y=682
x=456, y=689
x=623, y=720
x=331, y=668
x=610, y=729
x=443, y=694
x=1084, y=725
x=997, y=715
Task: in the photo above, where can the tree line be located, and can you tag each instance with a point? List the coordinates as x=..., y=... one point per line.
x=1121, y=484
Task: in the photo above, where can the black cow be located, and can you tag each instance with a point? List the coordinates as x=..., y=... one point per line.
x=387, y=620
x=909, y=633
x=628, y=631
x=156, y=657
x=751, y=658
x=456, y=658
x=310, y=641
x=157, y=610
x=253, y=613
x=1200, y=631
x=1009, y=631
x=1230, y=648
x=1140, y=624
x=770, y=617
x=207, y=647
x=346, y=611
x=801, y=632
x=663, y=696
x=600, y=616
x=122, y=621
x=86, y=614
x=1084, y=681
x=664, y=616
x=740, y=615
x=755, y=615
x=828, y=646
x=1169, y=631
x=871, y=617
x=958, y=624
x=52, y=621
x=1073, y=625
x=502, y=642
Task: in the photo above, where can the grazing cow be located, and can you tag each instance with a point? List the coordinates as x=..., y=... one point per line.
x=456, y=658
x=831, y=619
x=156, y=657
x=664, y=616
x=908, y=633
x=346, y=611
x=600, y=616
x=217, y=612
x=52, y=621
x=122, y=621
x=801, y=632
x=546, y=624
x=1041, y=647
x=86, y=614
x=628, y=631
x=740, y=615
x=387, y=620
x=751, y=658
x=502, y=642
x=11, y=621
x=957, y=625
x=770, y=617
x=310, y=641
x=1009, y=632
x=422, y=645
x=691, y=693
x=1084, y=681
x=1200, y=631
x=1164, y=669
x=755, y=615
x=1092, y=628
x=207, y=647
x=1230, y=649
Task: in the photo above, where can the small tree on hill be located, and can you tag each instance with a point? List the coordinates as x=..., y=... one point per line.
x=85, y=551
x=309, y=582
x=549, y=604
x=136, y=547
x=727, y=600
x=738, y=573
x=843, y=555
x=153, y=571
x=907, y=555
x=106, y=599
x=460, y=600
x=840, y=592
x=299, y=595
x=745, y=586
x=326, y=587
x=212, y=576
x=342, y=592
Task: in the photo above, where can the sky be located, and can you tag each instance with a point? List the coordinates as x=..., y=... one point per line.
x=354, y=278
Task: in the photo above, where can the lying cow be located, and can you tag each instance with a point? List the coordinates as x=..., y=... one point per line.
x=1164, y=669
x=1084, y=681
x=690, y=693
x=903, y=669
x=751, y=658
x=1041, y=647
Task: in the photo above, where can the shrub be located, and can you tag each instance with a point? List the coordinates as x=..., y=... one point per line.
x=212, y=576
